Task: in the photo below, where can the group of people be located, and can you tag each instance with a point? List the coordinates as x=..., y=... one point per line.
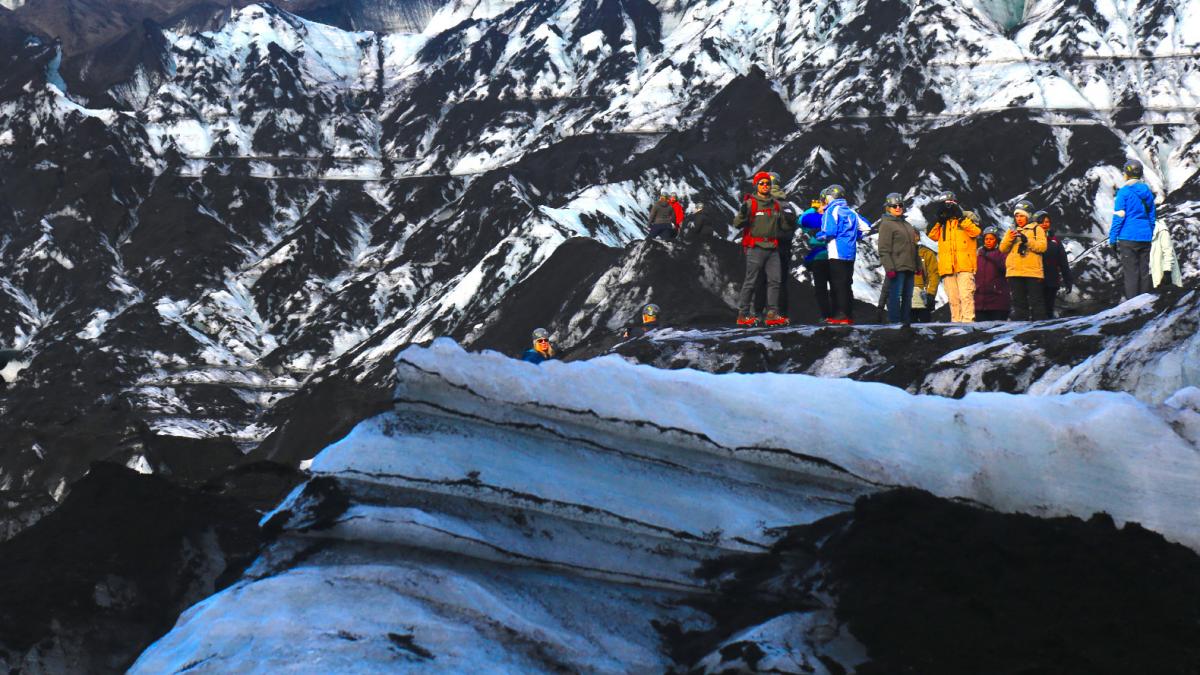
x=1016, y=274
x=988, y=275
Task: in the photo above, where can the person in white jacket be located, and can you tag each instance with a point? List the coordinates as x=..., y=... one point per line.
x=1162, y=257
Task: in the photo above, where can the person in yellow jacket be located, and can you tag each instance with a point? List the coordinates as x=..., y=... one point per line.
x=955, y=231
x=1025, y=243
x=925, y=285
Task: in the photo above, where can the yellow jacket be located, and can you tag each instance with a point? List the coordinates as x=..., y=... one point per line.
x=1030, y=264
x=956, y=245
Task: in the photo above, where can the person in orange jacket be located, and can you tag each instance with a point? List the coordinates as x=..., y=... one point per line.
x=955, y=231
x=1025, y=243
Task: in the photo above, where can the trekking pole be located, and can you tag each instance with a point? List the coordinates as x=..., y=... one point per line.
x=1090, y=251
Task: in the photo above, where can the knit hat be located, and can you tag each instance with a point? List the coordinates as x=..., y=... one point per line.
x=761, y=175
x=1133, y=169
x=1023, y=207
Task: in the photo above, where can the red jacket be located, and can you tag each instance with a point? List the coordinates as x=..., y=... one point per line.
x=678, y=213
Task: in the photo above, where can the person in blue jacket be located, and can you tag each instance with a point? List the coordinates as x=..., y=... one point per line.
x=542, y=350
x=841, y=230
x=1132, y=229
x=817, y=258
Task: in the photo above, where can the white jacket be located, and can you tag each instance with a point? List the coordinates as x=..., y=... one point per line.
x=1162, y=257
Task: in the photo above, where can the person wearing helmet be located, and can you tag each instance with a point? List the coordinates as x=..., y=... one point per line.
x=1024, y=244
x=956, y=233
x=649, y=322
x=898, y=255
x=677, y=209
x=542, y=350
x=992, y=301
x=1056, y=266
x=785, y=258
x=841, y=230
x=762, y=222
x=816, y=260
x=1132, y=229
x=662, y=219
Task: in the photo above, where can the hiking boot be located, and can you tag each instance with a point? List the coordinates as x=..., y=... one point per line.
x=774, y=319
x=747, y=319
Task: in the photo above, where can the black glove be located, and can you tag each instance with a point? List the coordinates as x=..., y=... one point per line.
x=949, y=211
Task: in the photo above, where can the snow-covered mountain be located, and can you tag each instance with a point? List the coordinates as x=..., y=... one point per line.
x=220, y=222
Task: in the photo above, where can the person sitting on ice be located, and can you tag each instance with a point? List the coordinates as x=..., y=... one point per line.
x=662, y=219
x=649, y=322
x=762, y=222
x=542, y=350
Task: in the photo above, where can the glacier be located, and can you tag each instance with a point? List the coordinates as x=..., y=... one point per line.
x=510, y=516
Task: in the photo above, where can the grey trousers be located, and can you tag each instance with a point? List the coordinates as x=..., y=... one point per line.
x=1135, y=263
x=765, y=260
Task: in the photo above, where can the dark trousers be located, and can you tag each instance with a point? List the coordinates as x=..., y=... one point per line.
x=662, y=231
x=900, y=298
x=1028, y=300
x=1135, y=263
x=765, y=261
x=885, y=292
x=841, y=276
x=991, y=315
x=1050, y=295
x=822, y=285
x=922, y=315
x=785, y=272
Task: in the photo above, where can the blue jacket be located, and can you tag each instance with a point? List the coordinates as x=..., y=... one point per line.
x=810, y=222
x=841, y=228
x=533, y=356
x=1133, y=214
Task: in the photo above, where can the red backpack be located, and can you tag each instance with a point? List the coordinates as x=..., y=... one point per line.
x=747, y=240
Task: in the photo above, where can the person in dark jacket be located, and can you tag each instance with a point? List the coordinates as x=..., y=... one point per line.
x=785, y=256
x=1056, y=266
x=662, y=219
x=542, y=350
x=1132, y=229
x=817, y=257
x=992, y=301
x=761, y=220
x=898, y=255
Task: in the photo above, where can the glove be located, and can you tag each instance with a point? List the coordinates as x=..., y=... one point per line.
x=891, y=274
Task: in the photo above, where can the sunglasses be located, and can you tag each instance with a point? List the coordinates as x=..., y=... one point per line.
x=764, y=182
x=895, y=206
x=541, y=340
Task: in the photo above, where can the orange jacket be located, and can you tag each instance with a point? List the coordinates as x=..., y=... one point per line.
x=1030, y=264
x=956, y=244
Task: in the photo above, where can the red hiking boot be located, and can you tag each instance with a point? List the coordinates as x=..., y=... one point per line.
x=774, y=319
x=747, y=320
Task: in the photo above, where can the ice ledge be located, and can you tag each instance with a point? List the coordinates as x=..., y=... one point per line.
x=1074, y=454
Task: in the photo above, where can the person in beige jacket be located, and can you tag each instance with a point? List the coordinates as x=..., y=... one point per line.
x=955, y=231
x=1025, y=243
